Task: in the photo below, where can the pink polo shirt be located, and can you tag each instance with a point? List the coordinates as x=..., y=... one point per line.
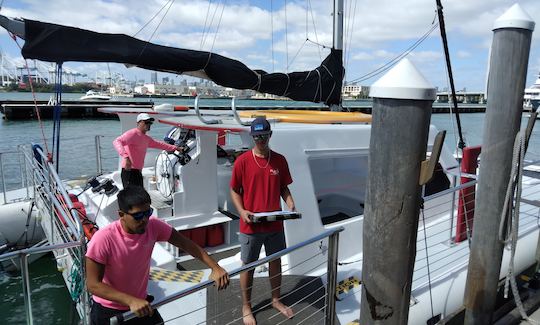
x=133, y=144
x=126, y=257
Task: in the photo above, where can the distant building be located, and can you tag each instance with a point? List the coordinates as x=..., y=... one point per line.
x=355, y=91
x=153, y=77
x=155, y=89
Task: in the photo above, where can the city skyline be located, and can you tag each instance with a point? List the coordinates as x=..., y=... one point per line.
x=255, y=33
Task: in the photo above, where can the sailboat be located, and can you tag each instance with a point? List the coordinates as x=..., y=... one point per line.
x=329, y=163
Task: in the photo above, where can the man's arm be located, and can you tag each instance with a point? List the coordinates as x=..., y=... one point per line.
x=239, y=205
x=118, y=145
x=219, y=275
x=287, y=197
x=162, y=145
x=94, y=283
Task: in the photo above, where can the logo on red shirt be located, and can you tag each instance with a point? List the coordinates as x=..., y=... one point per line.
x=274, y=172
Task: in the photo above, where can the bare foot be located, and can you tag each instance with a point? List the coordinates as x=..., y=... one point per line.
x=285, y=310
x=248, y=315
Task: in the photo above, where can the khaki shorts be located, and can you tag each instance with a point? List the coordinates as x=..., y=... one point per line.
x=250, y=245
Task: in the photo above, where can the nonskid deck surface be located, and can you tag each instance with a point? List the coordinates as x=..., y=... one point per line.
x=158, y=201
x=305, y=294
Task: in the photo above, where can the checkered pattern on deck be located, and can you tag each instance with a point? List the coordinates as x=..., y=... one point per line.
x=176, y=276
x=345, y=285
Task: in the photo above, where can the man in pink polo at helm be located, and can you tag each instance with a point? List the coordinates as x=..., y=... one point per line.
x=132, y=145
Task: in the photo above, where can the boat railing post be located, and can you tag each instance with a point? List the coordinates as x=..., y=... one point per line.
x=22, y=169
x=27, y=293
x=98, y=155
x=3, y=178
x=452, y=208
x=333, y=245
x=84, y=298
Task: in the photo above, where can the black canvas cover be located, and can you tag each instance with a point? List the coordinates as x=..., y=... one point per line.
x=57, y=43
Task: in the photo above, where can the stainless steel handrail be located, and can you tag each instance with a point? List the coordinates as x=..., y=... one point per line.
x=235, y=114
x=47, y=186
x=199, y=115
x=2, y=174
x=450, y=190
x=333, y=247
x=67, y=200
x=39, y=250
x=3, y=178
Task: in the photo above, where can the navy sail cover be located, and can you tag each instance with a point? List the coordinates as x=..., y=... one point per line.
x=57, y=43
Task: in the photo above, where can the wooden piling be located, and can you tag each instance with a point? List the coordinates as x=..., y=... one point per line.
x=508, y=68
x=400, y=126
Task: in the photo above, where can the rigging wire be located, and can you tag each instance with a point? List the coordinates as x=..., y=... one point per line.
x=349, y=38
x=427, y=256
x=218, y=25
x=442, y=28
x=205, y=22
x=272, y=31
x=297, y=52
x=310, y=8
x=205, y=35
x=161, y=21
x=346, y=31
x=57, y=114
x=34, y=100
x=286, y=39
x=155, y=30
x=151, y=19
x=397, y=58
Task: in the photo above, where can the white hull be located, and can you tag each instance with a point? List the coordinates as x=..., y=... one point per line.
x=328, y=163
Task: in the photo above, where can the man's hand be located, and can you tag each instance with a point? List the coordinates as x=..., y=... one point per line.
x=140, y=307
x=245, y=216
x=127, y=165
x=220, y=277
x=180, y=149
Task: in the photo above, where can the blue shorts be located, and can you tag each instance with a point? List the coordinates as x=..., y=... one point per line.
x=250, y=245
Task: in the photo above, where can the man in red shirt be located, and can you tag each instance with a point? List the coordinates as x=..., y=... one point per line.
x=259, y=179
x=132, y=145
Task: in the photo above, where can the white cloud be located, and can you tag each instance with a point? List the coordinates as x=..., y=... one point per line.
x=382, y=29
x=424, y=56
x=463, y=54
x=362, y=56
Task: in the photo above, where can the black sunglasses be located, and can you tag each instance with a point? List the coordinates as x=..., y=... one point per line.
x=148, y=122
x=262, y=137
x=141, y=214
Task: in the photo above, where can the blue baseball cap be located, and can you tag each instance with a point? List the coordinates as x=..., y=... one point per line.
x=260, y=126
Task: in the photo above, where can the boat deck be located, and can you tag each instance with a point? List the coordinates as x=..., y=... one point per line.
x=305, y=295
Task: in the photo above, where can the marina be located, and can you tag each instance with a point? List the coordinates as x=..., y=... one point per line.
x=395, y=215
x=23, y=110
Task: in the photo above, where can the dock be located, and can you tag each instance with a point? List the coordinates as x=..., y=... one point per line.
x=25, y=109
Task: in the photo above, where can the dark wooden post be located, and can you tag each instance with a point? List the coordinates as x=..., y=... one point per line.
x=402, y=101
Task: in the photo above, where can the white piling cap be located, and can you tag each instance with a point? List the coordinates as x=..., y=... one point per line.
x=515, y=17
x=404, y=81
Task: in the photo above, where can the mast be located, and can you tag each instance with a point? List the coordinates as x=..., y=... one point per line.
x=338, y=25
x=338, y=42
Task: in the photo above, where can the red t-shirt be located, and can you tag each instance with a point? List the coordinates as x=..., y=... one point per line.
x=261, y=182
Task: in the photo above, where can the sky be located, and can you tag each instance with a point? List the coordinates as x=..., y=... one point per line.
x=293, y=35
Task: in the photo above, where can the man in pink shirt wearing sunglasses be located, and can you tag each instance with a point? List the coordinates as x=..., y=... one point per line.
x=132, y=146
x=118, y=260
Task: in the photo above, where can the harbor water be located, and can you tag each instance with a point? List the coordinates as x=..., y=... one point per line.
x=51, y=301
